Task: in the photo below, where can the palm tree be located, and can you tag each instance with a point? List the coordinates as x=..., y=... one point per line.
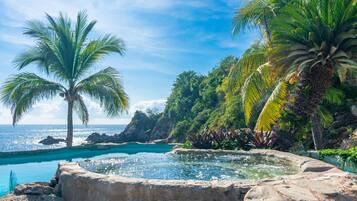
x=258, y=13
x=259, y=84
x=318, y=40
x=65, y=54
x=254, y=76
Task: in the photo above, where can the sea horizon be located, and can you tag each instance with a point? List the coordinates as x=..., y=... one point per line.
x=26, y=137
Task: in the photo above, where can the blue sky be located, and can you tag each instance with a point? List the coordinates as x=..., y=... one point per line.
x=163, y=39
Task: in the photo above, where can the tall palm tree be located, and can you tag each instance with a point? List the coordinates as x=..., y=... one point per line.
x=64, y=53
x=319, y=39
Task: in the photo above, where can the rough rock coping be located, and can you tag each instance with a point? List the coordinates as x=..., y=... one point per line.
x=315, y=180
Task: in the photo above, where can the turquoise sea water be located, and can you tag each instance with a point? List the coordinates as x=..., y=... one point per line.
x=26, y=137
x=41, y=166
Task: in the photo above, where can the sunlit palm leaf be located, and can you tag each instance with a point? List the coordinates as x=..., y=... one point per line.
x=250, y=61
x=255, y=87
x=273, y=107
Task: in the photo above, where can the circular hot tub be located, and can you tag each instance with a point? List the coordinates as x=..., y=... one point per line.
x=200, y=175
x=191, y=166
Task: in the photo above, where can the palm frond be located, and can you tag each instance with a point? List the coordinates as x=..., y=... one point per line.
x=334, y=96
x=96, y=49
x=319, y=31
x=255, y=87
x=249, y=16
x=273, y=107
x=249, y=63
x=105, y=86
x=22, y=91
x=325, y=116
x=80, y=107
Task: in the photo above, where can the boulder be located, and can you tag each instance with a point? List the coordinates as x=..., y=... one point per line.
x=100, y=138
x=37, y=188
x=12, y=197
x=38, y=191
x=139, y=128
x=162, y=128
x=51, y=140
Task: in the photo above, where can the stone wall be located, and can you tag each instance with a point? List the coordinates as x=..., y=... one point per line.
x=316, y=180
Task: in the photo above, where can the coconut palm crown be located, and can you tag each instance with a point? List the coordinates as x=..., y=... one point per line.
x=319, y=40
x=65, y=54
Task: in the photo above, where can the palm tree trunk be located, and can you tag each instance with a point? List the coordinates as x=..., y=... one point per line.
x=311, y=88
x=316, y=131
x=70, y=124
x=267, y=31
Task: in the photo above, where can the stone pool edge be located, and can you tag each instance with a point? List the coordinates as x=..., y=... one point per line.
x=316, y=180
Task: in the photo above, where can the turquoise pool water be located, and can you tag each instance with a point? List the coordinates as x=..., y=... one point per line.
x=42, y=165
x=204, y=167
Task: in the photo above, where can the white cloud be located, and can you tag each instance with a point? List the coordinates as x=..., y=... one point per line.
x=15, y=39
x=118, y=17
x=155, y=105
x=54, y=112
x=5, y=115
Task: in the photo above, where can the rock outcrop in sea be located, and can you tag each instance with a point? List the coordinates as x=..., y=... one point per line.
x=49, y=140
x=140, y=129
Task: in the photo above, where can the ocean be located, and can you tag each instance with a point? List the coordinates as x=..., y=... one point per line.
x=26, y=137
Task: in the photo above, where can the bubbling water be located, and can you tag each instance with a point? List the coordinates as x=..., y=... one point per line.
x=190, y=167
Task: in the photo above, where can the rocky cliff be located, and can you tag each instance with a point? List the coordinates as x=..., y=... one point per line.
x=140, y=129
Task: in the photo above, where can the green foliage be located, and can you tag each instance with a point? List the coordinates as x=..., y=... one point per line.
x=180, y=129
x=22, y=91
x=252, y=58
x=325, y=116
x=271, y=111
x=319, y=33
x=223, y=139
x=184, y=94
x=258, y=13
x=196, y=102
x=345, y=154
x=334, y=96
x=187, y=145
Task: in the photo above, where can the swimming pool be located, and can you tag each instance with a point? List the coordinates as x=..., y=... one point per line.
x=42, y=165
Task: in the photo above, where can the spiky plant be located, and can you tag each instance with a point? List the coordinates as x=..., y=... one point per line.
x=318, y=39
x=64, y=52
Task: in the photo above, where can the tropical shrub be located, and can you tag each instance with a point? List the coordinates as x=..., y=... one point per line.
x=223, y=139
x=345, y=154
